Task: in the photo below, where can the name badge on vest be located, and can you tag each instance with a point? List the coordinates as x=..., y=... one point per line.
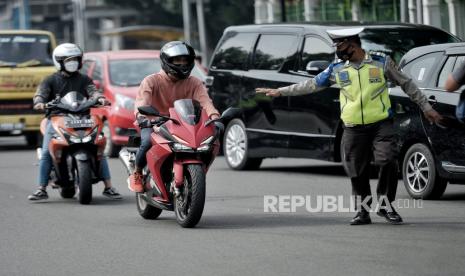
x=344, y=78
x=375, y=75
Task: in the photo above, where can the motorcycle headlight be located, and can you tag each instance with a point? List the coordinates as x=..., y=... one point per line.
x=124, y=102
x=204, y=147
x=75, y=139
x=208, y=140
x=181, y=147
x=85, y=139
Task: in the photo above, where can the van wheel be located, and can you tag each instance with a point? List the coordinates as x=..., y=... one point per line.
x=419, y=173
x=235, y=148
x=111, y=150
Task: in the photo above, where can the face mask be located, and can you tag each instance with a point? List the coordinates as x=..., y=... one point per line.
x=71, y=66
x=344, y=54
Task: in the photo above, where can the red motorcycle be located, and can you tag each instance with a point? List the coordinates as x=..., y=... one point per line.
x=184, y=146
x=76, y=147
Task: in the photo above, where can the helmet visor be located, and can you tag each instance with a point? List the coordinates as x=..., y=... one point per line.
x=177, y=50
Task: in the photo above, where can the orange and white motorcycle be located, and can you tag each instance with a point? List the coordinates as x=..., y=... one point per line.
x=77, y=146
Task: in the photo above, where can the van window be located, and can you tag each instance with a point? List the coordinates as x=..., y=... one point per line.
x=315, y=49
x=234, y=51
x=421, y=68
x=21, y=48
x=272, y=51
x=446, y=69
x=395, y=42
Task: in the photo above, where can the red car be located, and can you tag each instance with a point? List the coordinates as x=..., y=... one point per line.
x=119, y=74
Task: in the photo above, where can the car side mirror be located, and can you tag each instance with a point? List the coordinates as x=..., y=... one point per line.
x=209, y=81
x=230, y=113
x=148, y=110
x=315, y=67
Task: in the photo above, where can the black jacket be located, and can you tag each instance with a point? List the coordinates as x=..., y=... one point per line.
x=58, y=85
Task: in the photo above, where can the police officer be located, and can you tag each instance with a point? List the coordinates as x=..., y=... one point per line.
x=367, y=116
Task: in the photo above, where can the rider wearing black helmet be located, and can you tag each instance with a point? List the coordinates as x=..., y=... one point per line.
x=161, y=90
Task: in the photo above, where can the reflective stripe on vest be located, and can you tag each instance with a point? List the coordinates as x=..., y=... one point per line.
x=364, y=96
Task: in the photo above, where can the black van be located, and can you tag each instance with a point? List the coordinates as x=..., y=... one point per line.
x=275, y=55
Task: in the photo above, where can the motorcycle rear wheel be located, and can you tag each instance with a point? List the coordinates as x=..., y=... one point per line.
x=188, y=207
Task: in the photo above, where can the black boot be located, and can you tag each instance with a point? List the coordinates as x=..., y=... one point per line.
x=390, y=215
x=362, y=217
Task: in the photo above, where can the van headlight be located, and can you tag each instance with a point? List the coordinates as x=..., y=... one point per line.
x=124, y=102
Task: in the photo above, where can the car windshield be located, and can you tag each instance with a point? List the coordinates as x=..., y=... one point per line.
x=26, y=49
x=131, y=72
x=397, y=42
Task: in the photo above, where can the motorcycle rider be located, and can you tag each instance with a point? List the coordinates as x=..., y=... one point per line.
x=67, y=58
x=161, y=90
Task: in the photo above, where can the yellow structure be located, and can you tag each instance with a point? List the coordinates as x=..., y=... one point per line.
x=25, y=60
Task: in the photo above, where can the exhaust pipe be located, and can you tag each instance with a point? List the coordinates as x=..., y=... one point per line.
x=128, y=159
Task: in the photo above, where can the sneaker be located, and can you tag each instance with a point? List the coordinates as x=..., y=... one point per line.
x=111, y=193
x=38, y=195
x=136, y=182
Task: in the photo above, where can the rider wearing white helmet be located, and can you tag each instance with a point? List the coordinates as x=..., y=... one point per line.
x=67, y=58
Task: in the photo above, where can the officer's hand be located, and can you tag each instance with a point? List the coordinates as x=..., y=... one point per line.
x=268, y=91
x=433, y=116
x=39, y=106
x=103, y=101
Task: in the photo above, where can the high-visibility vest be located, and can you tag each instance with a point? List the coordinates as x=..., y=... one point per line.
x=364, y=97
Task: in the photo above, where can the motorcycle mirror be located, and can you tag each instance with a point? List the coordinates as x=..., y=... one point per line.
x=148, y=110
x=231, y=113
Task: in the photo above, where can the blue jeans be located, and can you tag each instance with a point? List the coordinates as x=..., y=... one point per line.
x=45, y=163
x=145, y=145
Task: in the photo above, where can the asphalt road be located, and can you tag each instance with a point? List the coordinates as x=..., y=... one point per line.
x=234, y=237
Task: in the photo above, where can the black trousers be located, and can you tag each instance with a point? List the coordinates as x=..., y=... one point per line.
x=361, y=144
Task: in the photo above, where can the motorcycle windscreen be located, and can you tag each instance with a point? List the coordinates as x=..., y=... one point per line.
x=189, y=110
x=73, y=99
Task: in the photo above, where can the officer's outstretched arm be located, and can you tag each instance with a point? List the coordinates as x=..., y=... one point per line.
x=321, y=81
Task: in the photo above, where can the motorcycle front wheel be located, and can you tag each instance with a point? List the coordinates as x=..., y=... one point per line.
x=84, y=178
x=188, y=206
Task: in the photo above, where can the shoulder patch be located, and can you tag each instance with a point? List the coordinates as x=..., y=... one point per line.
x=378, y=56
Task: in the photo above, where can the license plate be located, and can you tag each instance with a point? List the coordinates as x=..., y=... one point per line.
x=85, y=123
x=11, y=126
